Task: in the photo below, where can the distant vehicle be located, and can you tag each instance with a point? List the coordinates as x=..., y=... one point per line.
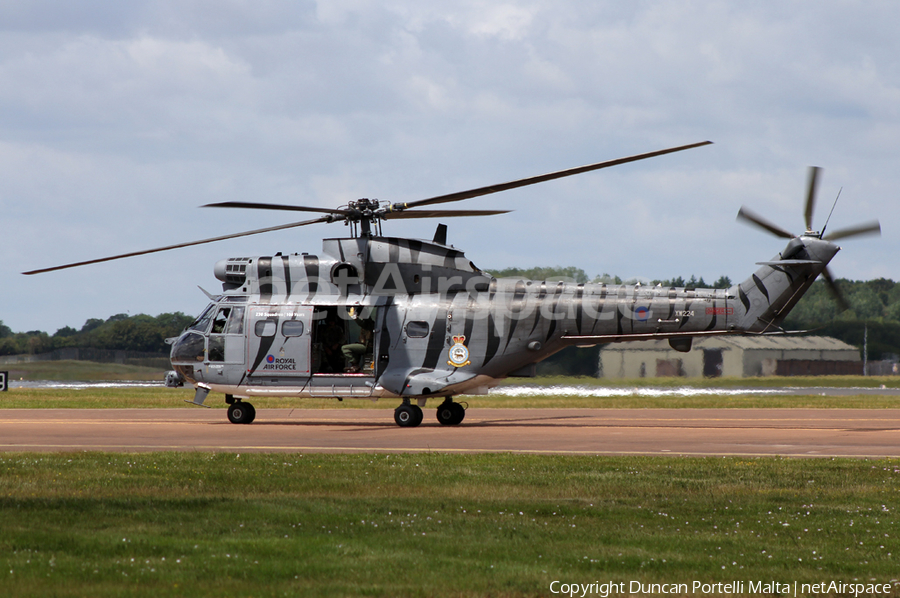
x=385, y=317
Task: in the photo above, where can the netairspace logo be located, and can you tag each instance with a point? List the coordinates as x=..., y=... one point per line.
x=699, y=588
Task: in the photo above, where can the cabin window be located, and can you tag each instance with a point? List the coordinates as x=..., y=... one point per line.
x=417, y=329
x=292, y=328
x=266, y=328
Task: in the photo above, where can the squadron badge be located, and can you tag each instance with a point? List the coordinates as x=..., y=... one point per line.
x=458, y=353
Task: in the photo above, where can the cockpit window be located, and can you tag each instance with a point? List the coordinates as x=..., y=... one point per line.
x=218, y=326
x=189, y=349
x=201, y=324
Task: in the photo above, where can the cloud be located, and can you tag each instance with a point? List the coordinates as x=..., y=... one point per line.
x=118, y=120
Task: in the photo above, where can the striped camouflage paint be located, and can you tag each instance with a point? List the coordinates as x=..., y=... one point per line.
x=446, y=327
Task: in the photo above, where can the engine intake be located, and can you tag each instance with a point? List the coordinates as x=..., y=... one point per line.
x=233, y=271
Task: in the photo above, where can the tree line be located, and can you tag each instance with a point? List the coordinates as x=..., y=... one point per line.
x=873, y=317
x=120, y=332
x=577, y=275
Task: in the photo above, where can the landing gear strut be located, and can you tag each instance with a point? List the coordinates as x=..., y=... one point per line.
x=239, y=412
x=450, y=413
x=407, y=415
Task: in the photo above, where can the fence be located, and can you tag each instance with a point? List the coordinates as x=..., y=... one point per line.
x=883, y=368
x=159, y=360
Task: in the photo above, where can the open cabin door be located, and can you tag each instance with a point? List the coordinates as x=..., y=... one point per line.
x=279, y=341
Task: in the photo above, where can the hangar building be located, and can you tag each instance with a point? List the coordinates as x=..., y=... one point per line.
x=732, y=356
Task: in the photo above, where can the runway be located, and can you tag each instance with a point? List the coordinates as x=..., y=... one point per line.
x=694, y=432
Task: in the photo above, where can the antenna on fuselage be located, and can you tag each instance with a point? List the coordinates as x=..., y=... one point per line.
x=827, y=220
x=440, y=235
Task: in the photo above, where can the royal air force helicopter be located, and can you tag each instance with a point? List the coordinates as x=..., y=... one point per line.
x=376, y=317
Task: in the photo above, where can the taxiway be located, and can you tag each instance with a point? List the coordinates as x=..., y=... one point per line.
x=706, y=432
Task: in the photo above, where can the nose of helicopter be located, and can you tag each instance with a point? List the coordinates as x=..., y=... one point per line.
x=187, y=350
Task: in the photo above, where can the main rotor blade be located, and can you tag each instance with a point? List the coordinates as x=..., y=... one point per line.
x=442, y=213
x=753, y=218
x=273, y=206
x=180, y=245
x=867, y=228
x=811, y=195
x=459, y=196
x=835, y=290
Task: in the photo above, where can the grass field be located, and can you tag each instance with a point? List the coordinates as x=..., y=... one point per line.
x=192, y=524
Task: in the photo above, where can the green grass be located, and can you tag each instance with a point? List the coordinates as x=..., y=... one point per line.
x=151, y=398
x=195, y=524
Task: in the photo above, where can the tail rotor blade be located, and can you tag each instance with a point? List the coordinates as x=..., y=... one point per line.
x=753, y=218
x=835, y=290
x=867, y=228
x=811, y=195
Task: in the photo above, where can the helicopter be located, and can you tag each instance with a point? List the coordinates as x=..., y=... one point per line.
x=430, y=325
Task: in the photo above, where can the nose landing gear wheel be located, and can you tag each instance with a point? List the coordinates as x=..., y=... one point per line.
x=408, y=416
x=450, y=413
x=240, y=412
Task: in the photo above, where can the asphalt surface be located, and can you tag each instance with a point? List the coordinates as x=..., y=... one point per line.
x=749, y=432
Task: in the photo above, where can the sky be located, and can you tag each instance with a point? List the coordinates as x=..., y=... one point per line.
x=119, y=119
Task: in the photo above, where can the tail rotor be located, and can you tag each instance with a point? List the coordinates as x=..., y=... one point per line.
x=867, y=228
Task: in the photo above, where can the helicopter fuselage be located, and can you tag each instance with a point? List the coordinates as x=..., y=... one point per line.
x=438, y=325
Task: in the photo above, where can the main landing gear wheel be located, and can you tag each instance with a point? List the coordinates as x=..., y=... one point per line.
x=450, y=413
x=240, y=412
x=408, y=416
